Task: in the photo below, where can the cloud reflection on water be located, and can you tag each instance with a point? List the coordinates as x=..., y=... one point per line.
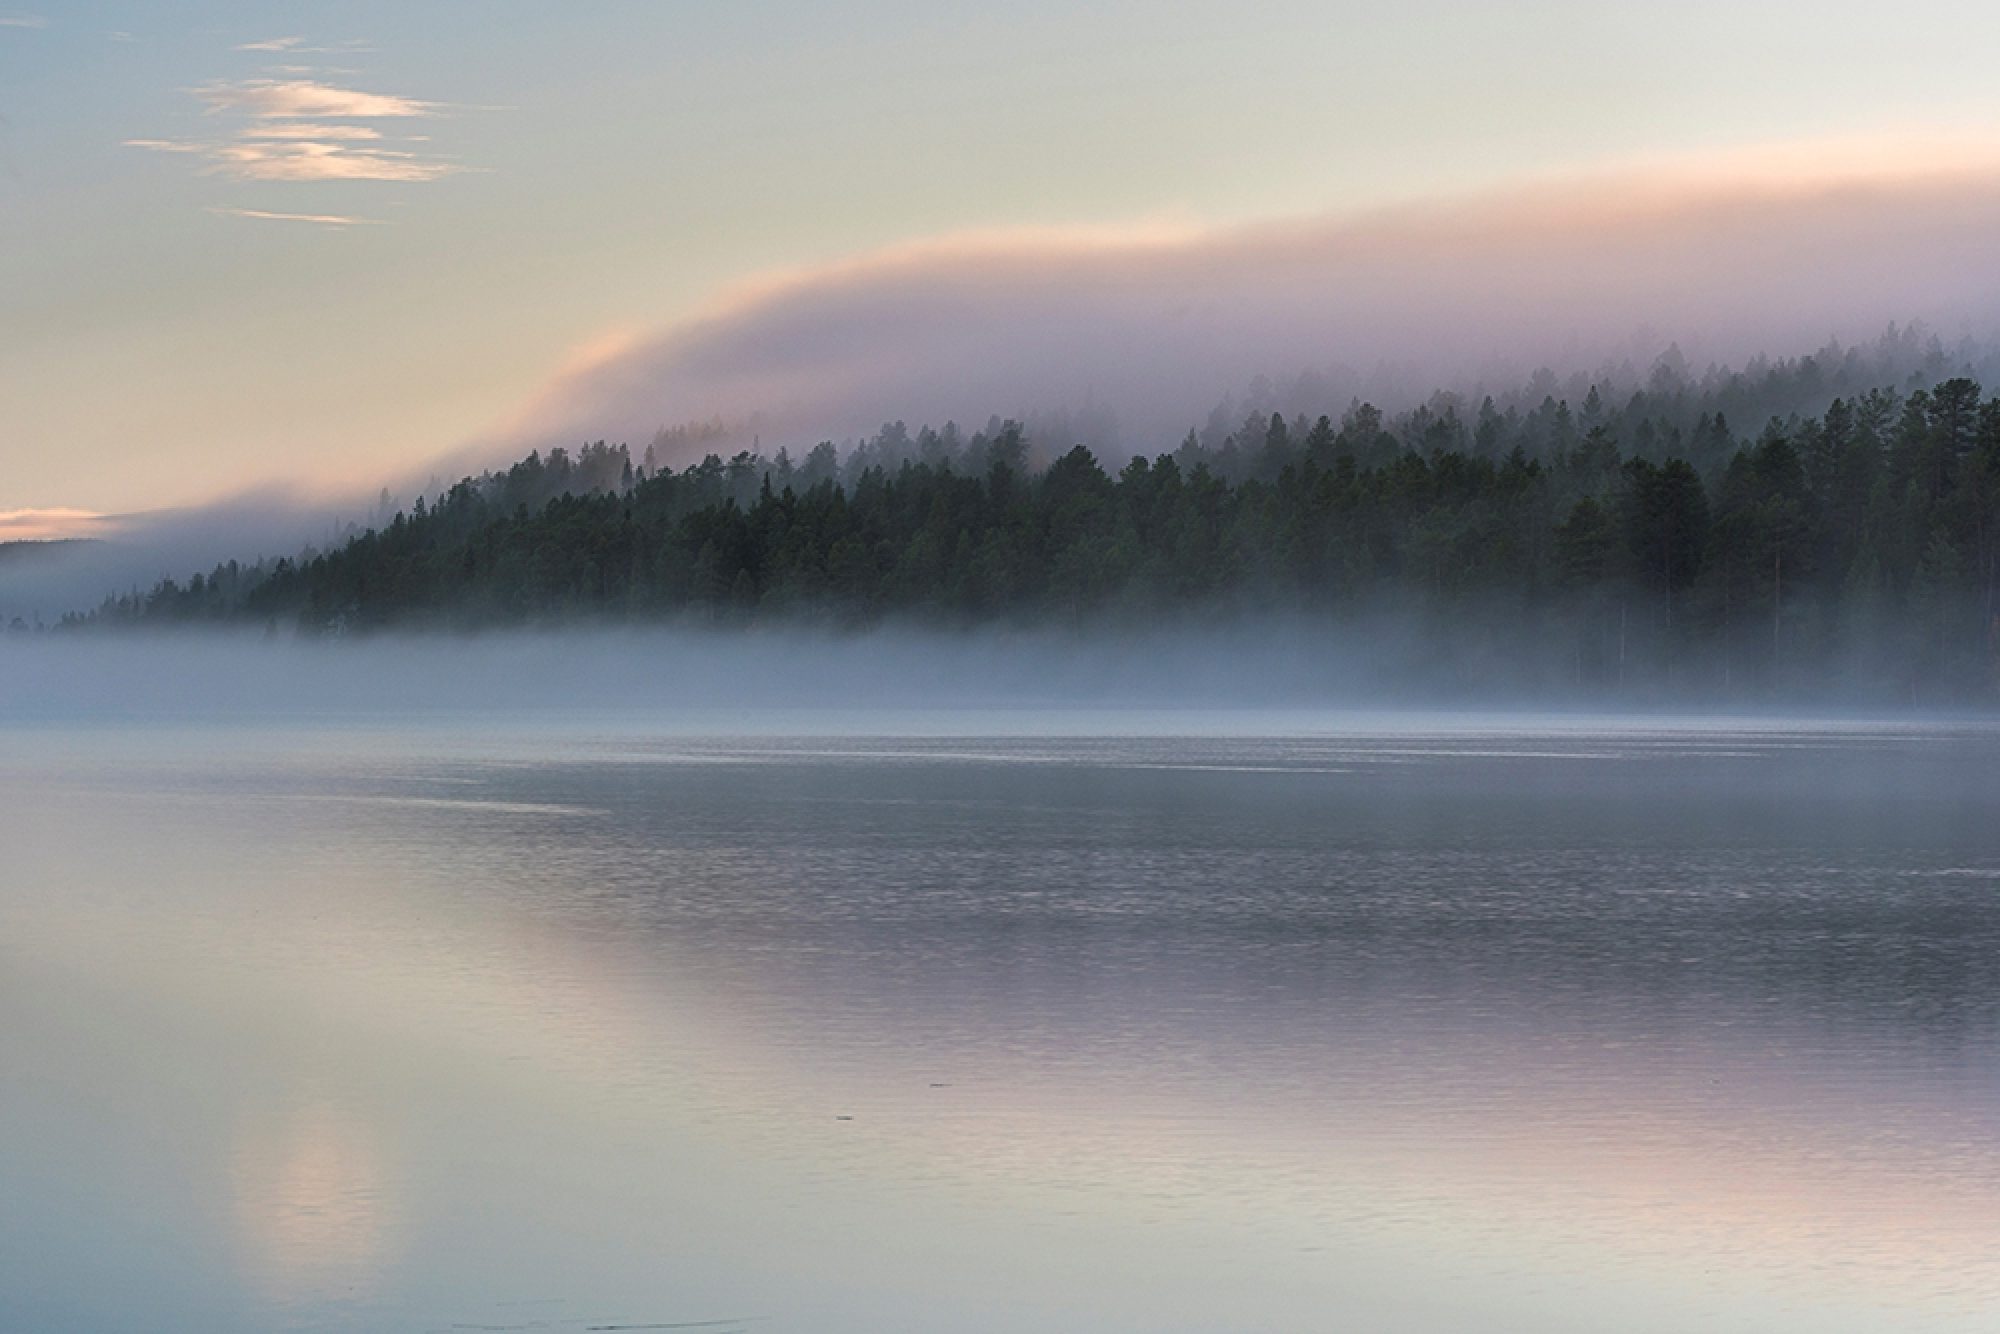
x=312, y=1204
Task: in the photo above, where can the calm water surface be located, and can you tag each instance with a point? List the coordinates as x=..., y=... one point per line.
x=1008, y=1022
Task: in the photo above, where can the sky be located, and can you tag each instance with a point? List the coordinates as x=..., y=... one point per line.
x=317, y=244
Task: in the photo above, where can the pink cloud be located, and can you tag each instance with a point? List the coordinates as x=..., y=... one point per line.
x=303, y=99
x=1760, y=252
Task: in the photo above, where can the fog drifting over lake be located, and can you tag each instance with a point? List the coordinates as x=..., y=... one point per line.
x=764, y=679
x=689, y=670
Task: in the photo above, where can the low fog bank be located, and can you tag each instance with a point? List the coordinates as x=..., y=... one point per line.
x=754, y=679
x=1127, y=341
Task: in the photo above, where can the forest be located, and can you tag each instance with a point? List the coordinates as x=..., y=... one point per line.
x=1636, y=547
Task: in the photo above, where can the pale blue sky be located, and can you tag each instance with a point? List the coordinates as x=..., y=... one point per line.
x=602, y=165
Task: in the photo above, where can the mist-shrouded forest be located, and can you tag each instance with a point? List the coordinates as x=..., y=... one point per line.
x=1816, y=527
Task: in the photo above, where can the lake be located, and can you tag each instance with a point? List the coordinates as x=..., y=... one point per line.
x=999, y=1020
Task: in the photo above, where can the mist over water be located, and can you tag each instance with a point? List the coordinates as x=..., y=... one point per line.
x=756, y=679
x=760, y=677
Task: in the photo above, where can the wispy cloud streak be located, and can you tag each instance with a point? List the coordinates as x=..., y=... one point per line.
x=299, y=46
x=322, y=219
x=286, y=160
x=317, y=133
x=170, y=145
